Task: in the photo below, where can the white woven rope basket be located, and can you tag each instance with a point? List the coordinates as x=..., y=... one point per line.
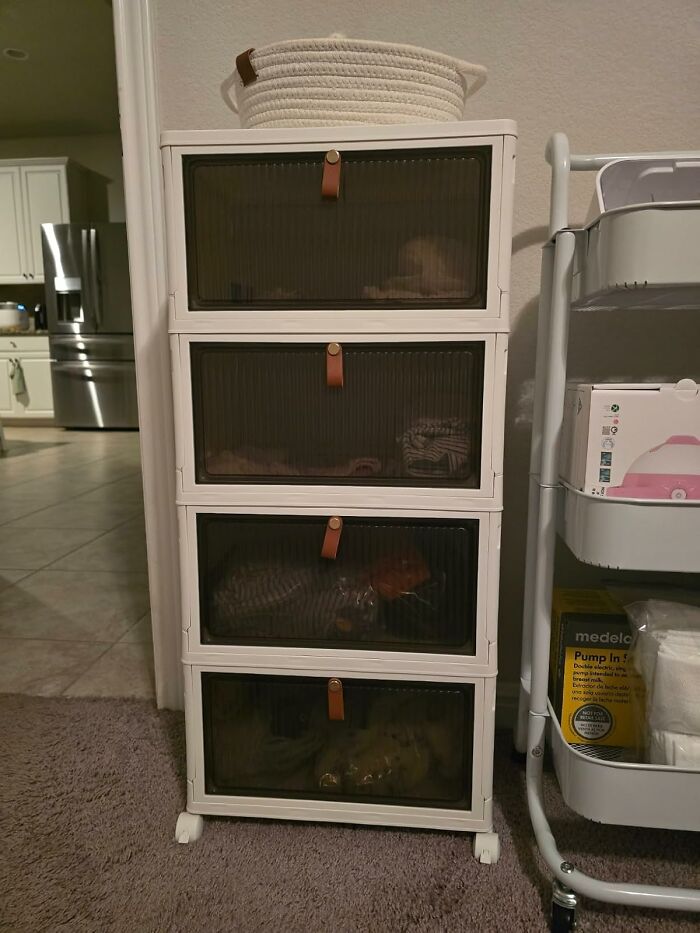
x=326, y=82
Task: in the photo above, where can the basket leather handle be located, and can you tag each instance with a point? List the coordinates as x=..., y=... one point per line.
x=244, y=73
x=245, y=68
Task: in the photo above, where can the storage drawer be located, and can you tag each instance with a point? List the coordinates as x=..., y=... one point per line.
x=337, y=747
x=418, y=590
x=415, y=230
x=409, y=227
x=399, y=742
x=401, y=414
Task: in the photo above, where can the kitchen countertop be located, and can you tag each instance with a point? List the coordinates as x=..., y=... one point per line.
x=14, y=332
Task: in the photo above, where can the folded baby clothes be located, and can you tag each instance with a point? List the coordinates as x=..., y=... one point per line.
x=253, y=589
x=438, y=448
x=293, y=600
x=674, y=748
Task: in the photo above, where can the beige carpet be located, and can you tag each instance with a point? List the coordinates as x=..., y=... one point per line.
x=89, y=794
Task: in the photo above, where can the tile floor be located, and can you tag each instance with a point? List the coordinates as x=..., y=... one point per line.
x=74, y=612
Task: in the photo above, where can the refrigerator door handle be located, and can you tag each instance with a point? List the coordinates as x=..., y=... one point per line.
x=84, y=368
x=85, y=298
x=94, y=278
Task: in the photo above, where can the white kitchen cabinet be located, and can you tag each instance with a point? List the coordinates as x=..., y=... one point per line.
x=12, y=239
x=36, y=402
x=45, y=200
x=6, y=406
x=38, y=191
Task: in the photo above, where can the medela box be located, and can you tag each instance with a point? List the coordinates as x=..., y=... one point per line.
x=633, y=441
x=592, y=686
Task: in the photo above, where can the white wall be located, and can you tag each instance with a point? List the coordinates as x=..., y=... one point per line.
x=101, y=153
x=616, y=76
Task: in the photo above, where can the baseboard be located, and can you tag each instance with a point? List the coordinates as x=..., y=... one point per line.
x=507, y=693
x=20, y=422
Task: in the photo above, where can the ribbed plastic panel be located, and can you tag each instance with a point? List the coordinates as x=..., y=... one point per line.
x=410, y=415
x=409, y=229
x=394, y=585
x=399, y=742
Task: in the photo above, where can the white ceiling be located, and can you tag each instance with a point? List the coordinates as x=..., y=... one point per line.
x=67, y=86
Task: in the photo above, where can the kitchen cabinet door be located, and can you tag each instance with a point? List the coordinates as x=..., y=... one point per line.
x=37, y=401
x=12, y=233
x=45, y=193
x=6, y=397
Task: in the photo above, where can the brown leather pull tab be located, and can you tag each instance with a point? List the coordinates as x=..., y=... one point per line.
x=331, y=539
x=244, y=67
x=330, y=184
x=336, y=704
x=334, y=366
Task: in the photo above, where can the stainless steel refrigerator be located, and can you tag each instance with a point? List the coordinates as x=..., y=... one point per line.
x=88, y=304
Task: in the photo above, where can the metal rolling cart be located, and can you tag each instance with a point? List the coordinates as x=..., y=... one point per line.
x=640, y=256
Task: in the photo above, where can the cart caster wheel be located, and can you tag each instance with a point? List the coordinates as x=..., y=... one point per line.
x=189, y=827
x=487, y=848
x=564, y=903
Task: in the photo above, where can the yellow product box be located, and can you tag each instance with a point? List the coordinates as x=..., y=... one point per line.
x=591, y=686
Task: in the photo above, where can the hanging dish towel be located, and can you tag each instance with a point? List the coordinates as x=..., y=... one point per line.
x=19, y=386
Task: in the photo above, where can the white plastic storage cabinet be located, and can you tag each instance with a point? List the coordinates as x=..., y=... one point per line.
x=417, y=239
x=412, y=422
x=401, y=591
x=407, y=752
x=338, y=320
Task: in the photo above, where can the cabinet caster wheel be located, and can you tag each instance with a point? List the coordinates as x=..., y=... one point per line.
x=564, y=903
x=487, y=848
x=189, y=827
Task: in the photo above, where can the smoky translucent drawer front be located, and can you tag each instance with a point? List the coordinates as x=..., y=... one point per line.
x=408, y=228
x=393, y=585
x=354, y=740
x=408, y=415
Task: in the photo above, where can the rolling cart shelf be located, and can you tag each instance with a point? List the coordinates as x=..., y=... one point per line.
x=630, y=257
x=600, y=790
x=639, y=257
x=625, y=534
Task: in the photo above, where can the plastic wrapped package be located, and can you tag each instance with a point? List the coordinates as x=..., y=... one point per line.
x=666, y=652
x=411, y=595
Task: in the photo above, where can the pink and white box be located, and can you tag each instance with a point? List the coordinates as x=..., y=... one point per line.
x=633, y=441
